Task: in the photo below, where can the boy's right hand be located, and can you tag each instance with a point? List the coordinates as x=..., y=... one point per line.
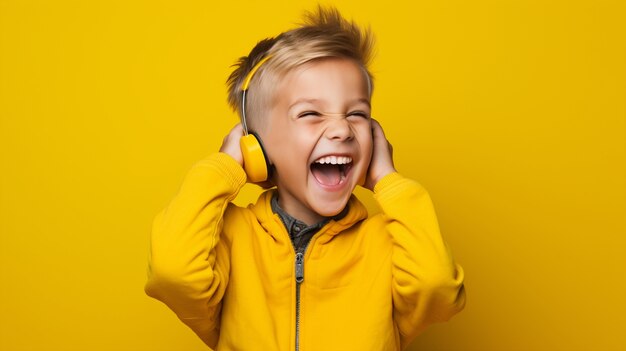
x=230, y=145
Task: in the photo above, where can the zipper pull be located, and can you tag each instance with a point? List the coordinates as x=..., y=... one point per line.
x=299, y=267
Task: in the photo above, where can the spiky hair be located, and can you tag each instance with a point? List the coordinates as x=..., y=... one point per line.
x=324, y=33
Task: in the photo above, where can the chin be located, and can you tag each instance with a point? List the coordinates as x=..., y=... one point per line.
x=331, y=208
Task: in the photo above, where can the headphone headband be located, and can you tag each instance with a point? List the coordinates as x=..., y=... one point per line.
x=246, y=82
x=244, y=89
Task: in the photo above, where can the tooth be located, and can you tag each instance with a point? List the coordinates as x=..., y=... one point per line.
x=335, y=160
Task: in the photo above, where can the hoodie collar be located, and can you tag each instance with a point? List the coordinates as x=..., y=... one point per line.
x=272, y=223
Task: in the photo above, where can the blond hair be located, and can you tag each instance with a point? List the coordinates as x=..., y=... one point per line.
x=323, y=34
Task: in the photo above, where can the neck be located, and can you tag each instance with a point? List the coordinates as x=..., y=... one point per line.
x=297, y=210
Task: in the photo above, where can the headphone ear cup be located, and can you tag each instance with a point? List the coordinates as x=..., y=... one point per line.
x=255, y=161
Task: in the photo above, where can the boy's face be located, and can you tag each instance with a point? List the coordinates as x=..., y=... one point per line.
x=318, y=137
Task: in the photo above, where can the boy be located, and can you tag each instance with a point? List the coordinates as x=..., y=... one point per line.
x=304, y=268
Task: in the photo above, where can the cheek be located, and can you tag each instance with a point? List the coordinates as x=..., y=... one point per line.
x=366, y=147
x=366, y=143
x=288, y=149
x=276, y=137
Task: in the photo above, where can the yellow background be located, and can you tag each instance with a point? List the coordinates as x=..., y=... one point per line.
x=511, y=113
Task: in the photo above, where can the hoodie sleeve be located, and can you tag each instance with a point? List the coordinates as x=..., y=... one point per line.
x=188, y=263
x=427, y=286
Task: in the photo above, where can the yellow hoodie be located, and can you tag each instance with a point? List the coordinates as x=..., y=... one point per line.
x=229, y=273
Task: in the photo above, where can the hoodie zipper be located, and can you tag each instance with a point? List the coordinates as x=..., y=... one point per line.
x=299, y=263
x=299, y=280
x=299, y=277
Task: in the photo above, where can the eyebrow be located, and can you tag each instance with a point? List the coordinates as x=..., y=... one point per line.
x=313, y=101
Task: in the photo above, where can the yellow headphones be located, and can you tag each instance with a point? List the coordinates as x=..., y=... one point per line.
x=255, y=161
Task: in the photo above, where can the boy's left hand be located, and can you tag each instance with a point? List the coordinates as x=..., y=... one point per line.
x=382, y=157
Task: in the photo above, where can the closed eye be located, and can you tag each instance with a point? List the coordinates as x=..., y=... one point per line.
x=361, y=114
x=309, y=114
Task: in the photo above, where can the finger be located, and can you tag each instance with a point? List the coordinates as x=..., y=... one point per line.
x=378, y=134
x=377, y=129
x=375, y=124
x=237, y=129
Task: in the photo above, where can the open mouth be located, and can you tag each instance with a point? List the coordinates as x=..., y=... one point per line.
x=331, y=170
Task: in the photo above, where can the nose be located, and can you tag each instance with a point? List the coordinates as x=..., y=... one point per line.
x=339, y=129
